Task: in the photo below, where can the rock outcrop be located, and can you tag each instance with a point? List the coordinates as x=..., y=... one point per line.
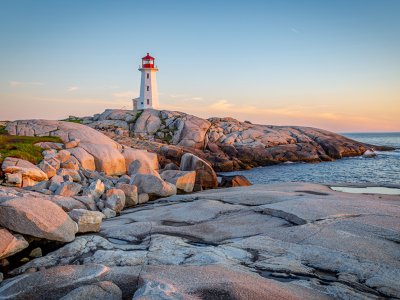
x=225, y=143
x=106, y=152
x=291, y=241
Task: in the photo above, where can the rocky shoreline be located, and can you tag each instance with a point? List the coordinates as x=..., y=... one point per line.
x=261, y=242
x=227, y=144
x=127, y=206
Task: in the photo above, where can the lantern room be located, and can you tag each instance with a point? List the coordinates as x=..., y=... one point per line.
x=148, y=61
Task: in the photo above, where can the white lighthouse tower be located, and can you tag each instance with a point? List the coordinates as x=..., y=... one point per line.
x=148, y=85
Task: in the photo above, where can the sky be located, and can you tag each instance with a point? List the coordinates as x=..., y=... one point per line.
x=327, y=64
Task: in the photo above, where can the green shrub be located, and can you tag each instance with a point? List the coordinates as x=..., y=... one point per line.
x=23, y=146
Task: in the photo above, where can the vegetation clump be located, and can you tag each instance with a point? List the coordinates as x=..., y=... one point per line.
x=73, y=119
x=23, y=146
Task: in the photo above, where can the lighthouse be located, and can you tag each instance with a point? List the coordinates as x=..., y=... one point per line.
x=148, y=85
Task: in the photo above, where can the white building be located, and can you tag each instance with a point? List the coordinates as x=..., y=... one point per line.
x=148, y=85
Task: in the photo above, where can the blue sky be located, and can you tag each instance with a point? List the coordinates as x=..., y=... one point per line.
x=330, y=64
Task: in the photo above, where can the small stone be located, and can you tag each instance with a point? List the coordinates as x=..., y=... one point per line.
x=4, y=262
x=131, y=194
x=55, y=182
x=73, y=173
x=88, y=221
x=71, y=163
x=14, y=179
x=68, y=189
x=24, y=260
x=124, y=179
x=72, y=143
x=143, y=198
x=109, y=213
x=37, y=252
x=96, y=189
x=47, y=168
x=115, y=200
x=63, y=155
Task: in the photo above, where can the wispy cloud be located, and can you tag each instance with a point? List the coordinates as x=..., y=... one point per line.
x=196, y=98
x=15, y=83
x=73, y=88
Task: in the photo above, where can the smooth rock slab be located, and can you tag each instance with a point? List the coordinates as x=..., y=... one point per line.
x=37, y=217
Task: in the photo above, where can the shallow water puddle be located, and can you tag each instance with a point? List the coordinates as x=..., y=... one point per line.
x=367, y=190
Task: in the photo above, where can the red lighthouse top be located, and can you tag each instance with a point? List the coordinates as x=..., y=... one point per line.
x=148, y=61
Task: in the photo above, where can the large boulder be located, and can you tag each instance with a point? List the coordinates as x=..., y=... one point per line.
x=88, y=221
x=47, y=168
x=29, y=173
x=37, y=217
x=131, y=193
x=115, y=200
x=183, y=180
x=11, y=243
x=85, y=159
x=205, y=175
x=68, y=189
x=147, y=159
x=149, y=122
x=107, y=153
x=193, y=132
x=153, y=185
x=235, y=180
x=141, y=167
x=95, y=189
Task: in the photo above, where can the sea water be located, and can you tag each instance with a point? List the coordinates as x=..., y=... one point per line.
x=383, y=169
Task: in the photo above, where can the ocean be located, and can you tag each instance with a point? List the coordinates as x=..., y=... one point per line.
x=383, y=169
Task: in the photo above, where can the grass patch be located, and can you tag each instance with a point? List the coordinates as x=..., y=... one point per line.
x=73, y=121
x=23, y=146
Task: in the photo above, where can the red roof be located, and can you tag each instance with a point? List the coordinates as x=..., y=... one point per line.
x=148, y=57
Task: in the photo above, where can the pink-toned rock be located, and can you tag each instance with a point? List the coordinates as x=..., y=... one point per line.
x=63, y=155
x=115, y=200
x=88, y=221
x=11, y=243
x=71, y=163
x=131, y=194
x=183, y=180
x=85, y=159
x=30, y=173
x=72, y=143
x=37, y=217
x=106, y=152
x=47, y=168
x=147, y=159
x=205, y=175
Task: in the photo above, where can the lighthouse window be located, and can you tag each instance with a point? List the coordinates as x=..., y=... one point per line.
x=148, y=75
x=148, y=101
x=148, y=88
